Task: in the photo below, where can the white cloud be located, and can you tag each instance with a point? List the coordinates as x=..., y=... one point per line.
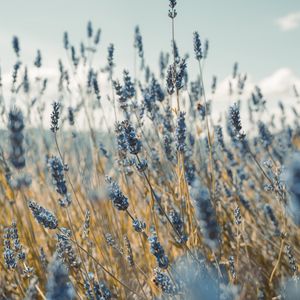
x=274, y=87
x=289, y=22
x=280, y=84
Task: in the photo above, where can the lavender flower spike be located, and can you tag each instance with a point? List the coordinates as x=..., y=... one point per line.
x=42, y=215
x=205, y=214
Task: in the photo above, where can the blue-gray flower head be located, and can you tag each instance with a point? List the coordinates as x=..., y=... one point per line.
x=59, y=286
x=16, y=127
x=197, y=46
x=293, y=186
x=120, y=201
x=55, y=116
x=206, y=215
x=158, y=251
x=180, y=132
x=42, y=215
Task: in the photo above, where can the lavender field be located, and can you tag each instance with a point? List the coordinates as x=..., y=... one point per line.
x=141, y=183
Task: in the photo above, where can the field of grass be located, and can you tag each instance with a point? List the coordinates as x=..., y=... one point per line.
x=137, y=191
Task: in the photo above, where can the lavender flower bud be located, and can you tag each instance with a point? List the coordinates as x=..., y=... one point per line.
x=129, y=253
x=55, y=116
x=164, y=282
x=16, y=126
x=86, y=224
x=237, y=216
x=170, y=80
x=38, y=59
x=180, y=74
x=178, y=225
x=66, y=40
x=133, y=143
x=115, y=194
x=214, y=85
x=293, y=186
x=265, y=135
x=129, y=89
x=101, y=291
x=138, y=225
x=71, y=116
x=219, y=136
x=292, y=261
x=64, y=248
x=158, y=251
x=197, y=46
x=138, y=44
x=142, y=165
x=110, y=59
x=235, y=119
x=57, y=171
x=232, y=266
x=43, y=216
x=180, y=134
x=172, y=11
x=205, y=214
x=167, y=139
x=8, y=254
x=235, y=70
x=206, y=48
x=13, y=250
x=97, y=37
x=89, y=29
x=59, y=286
x=16, y=45
x=26, y=85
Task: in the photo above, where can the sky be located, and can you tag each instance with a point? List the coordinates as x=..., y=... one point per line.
x=239, y=30
x=262, y=35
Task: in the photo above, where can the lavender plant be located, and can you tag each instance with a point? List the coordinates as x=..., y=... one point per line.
x=214, y=204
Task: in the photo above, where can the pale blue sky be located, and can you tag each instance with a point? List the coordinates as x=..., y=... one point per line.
x=238, y=30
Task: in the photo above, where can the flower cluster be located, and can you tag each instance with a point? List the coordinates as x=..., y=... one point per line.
x=133, y=143
x=57, y=170
x=197, y=46
x=180, y=132
x=64, y=248
x=235, y=119
x=42, y=215
x=16, y=127
x=59, y=286
x=115, y=194
x=13, y=250
x=172, y=11
x=55, y=116
x=205, y=214
x=158, y=251
x=164, y=282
